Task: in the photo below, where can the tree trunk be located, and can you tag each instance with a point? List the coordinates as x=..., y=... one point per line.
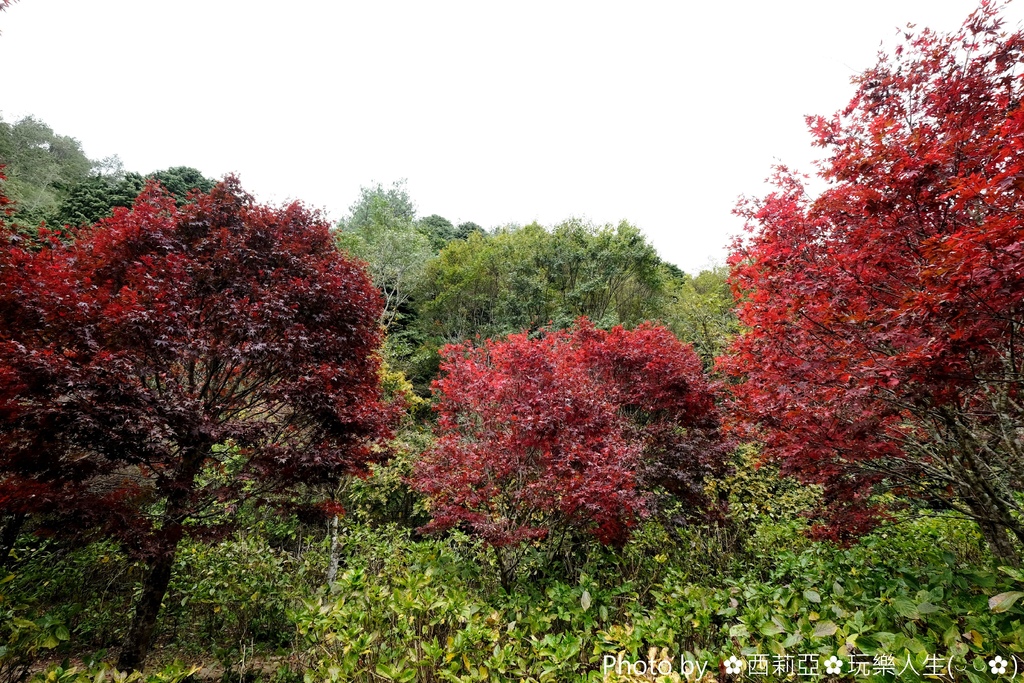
x=332, y=566
x=140, y=637
x=504, y=575
x=10, y=536
x=1000, y=543
x=995, y=522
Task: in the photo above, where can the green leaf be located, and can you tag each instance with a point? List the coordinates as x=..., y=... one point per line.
x=812, y=596
x=868, y=644
x=1004, y=601
x=739, y=631
x=585, y=600
x=983, y=578
x=915, y=646
x=824, y=629
x=1013, y=573
x=906, y=608
x=927, y=608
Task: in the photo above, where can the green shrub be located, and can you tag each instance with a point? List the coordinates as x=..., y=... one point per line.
x=102, y=673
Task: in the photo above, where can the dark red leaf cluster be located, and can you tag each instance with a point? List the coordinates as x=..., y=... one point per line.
x=190, y=355
x=568, y=429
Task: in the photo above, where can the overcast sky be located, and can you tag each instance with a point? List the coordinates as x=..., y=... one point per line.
x=661, y=113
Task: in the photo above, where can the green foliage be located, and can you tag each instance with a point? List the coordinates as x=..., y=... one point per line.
x=431, y=610
x=417, y=612
x=438, y=229
x=96, y=197
x=104, y=673
x=385, y=497
x=383, y=235
x=232, y=592
x=489, y=286
x=464, y=230
x=757, y=492
x=525, y=278
x=181, y=180
x=23, y=638
x=50, y=179
x=895, y=593
x=700, y=311
x=40, y=166
x=394, y=200
x=88, y=588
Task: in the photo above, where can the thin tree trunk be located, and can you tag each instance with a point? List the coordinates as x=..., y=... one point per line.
x=140, y=637
x=1000, y=543
x=332, y=566
x=158, y=576
x=995, y=522
x=503, y=572
x=12, y=529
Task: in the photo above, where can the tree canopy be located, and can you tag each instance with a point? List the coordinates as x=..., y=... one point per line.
x=882, y=347
x=172, y=359
x=52, y=181
x=40, y=166
x=569, y=431
x=528, y=277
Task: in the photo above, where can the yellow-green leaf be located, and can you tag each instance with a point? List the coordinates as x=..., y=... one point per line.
x=1004, y=601
x=825, y=629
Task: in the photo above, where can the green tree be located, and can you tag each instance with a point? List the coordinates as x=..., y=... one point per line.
x=393, y=249
x=488, y=285
x=96, y=196
x=699, y=310
x=523, y=278
x=438, y=229
x=40, y=166
x=464, y=230
x=181, y=180
x=609, y=274
x=363, y=211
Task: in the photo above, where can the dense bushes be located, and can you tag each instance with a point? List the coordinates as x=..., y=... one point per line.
x=431, y=609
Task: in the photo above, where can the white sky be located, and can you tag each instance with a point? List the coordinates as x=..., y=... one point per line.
x=661, y=113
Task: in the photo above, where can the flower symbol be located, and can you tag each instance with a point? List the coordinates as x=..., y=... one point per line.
x=834, y=665
x=997, y=665
x=733, y=665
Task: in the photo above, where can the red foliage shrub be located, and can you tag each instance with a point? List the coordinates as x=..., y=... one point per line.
x=568, y=431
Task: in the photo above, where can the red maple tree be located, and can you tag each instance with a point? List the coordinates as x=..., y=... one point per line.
x=567, y=432
x=174, y=359
x=882, y=345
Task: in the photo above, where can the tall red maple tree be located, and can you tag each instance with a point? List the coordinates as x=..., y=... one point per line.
x=174, y=359
x=567, y=432
x=882, y=349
